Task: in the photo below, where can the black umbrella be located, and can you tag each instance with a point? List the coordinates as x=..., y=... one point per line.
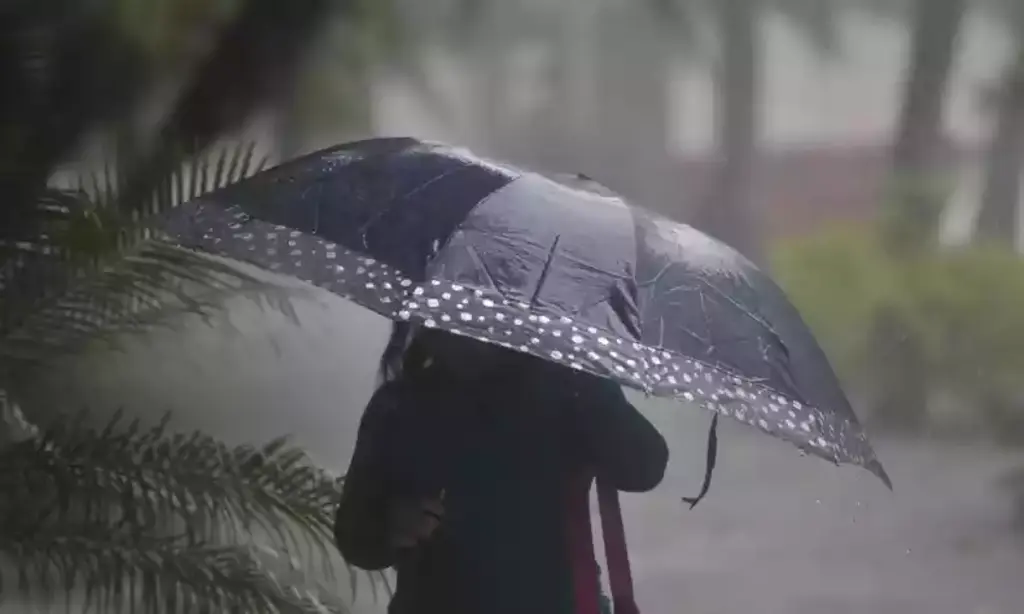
x=560, y=268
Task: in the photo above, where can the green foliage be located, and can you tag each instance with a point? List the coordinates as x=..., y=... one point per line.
x=836, y=279
x=79, y=263
x=141, y=517
x=911, y=211
x=965, y=307
x=89, y=272
x=971, y=306
x=139, y=520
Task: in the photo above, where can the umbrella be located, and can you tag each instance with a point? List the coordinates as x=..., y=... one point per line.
x=556, y=266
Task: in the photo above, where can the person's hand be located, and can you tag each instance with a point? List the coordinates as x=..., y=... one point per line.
x=414, y=521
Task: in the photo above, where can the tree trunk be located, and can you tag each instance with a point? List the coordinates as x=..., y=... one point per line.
x=1000, y=202
x=916, y=164
x=914, y=205
x=728, y=212
x=629, y=138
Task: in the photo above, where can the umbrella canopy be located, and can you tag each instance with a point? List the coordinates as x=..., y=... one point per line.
x=558, y=267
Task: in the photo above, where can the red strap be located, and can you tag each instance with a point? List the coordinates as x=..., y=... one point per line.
x=620, y=579
x=586, y=588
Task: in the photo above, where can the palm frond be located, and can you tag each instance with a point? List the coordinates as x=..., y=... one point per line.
x=151, y=287
x=89, y=275
x=118, y=511
x=123, y=571
x=49, y=52
x=126, y=508
x=148, y=479
x=76, y=261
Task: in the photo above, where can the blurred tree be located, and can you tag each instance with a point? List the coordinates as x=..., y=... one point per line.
x=487, y=38
x=912, y=208
x=726, y=211
x=961, y=308
x=918, y=192
x=597, y=100
x=118, y=512
x=999, y=216
x=607, y=83
x=630, y=137
x=333, y=95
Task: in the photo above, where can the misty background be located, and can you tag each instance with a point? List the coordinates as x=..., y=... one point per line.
x=781, y=126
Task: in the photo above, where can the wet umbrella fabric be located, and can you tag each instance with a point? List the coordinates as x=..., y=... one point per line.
x=558, y=267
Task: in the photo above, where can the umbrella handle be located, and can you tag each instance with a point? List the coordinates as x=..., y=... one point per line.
x=620, y=577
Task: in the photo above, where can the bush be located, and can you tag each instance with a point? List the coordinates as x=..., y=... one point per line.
x=964, y=307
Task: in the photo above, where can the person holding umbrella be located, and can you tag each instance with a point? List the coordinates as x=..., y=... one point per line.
x=472, y=471
x=523, y=300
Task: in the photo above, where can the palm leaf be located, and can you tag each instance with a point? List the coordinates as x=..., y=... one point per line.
x=127, y=509
x=122, y=571
x=90, y=275
x=78, y=264
x=150, y=479
x=75, y=261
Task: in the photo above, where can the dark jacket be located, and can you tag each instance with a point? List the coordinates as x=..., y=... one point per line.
x=504, y=450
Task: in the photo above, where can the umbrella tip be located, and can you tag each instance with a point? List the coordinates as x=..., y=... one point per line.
x=875, y=467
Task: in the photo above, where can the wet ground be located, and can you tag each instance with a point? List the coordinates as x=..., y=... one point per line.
x=781, y=534
x=778, y=533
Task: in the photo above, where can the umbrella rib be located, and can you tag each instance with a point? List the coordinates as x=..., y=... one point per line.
x=391, y=204
x=316, y=214
x=753, y=316
x=482, y=266
x=545, y=270
x=653, y=281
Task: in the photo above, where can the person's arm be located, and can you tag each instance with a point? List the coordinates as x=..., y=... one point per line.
x=361, y=529
x=624, y=447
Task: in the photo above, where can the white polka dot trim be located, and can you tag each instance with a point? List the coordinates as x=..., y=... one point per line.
x=487, y=316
